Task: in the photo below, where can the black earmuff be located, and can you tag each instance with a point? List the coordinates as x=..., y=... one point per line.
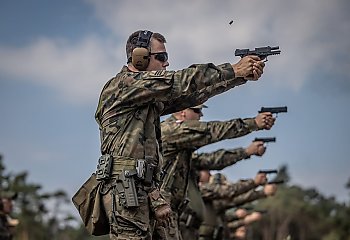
x=140, y=56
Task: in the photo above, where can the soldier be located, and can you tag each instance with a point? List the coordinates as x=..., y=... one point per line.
x=222, y=205
x=7, y=224
x=217, y=188
x=182, y=134
x=128, y=115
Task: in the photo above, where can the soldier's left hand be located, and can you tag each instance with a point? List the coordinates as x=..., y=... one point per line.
x=163, y=212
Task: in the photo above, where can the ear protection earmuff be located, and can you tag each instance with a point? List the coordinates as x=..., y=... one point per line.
x=140, y=56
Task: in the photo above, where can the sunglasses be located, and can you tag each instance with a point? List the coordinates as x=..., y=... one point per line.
x=196, y=110
x=160, y=56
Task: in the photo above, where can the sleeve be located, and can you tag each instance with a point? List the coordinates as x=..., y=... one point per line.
x=225, y=80
x=231, y=216
x=196, y=134
x=224, y=204
x=166, y=86
x=219, y=159
x=233, y=225
x=213, y=191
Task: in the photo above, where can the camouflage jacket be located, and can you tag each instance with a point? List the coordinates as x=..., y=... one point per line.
x=131, y=103
x=5, y=233
x=223, y=204
x=221, y=191
x=181, y=139
x=218, y=193
x=219, y=159
x=233, y=225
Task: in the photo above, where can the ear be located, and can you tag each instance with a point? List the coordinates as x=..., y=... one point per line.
x=183, y=114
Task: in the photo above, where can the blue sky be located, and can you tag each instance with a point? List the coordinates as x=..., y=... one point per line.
x=57, y=55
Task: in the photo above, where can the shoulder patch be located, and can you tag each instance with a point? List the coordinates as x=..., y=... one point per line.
x=158, y=74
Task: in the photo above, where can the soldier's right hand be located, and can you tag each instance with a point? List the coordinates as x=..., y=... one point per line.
x=249, y=67
x=260, y=179
x=265, y=120
x=163, y=212
x=270, y=189
x=256, y=148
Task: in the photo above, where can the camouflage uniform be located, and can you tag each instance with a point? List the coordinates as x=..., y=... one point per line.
x=222, y=206
x=231, y=224
x=180, y=140
x=232, y=221
x=128, y=115
x=5, y=233
x=212, y=225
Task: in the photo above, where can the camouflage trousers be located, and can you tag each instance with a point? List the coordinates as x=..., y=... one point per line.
x=168, y=230
x=135, y=223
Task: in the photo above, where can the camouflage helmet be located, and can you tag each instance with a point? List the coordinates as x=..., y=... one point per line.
x=218, y=178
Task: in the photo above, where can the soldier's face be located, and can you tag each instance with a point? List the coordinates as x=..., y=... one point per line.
x=8, y=205
x=241, y=232
x=193, y=113
x=157, y=62
x=204, y=176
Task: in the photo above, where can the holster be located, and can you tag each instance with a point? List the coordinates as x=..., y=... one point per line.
x=210, y=232
x=127, y=172
x=183, y=205
x=189, y=219
x=126, y=188
x=218, y=232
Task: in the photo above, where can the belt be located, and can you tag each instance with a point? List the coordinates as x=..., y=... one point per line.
x=121, y=163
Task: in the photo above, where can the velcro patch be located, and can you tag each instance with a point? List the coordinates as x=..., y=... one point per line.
x=158, y=74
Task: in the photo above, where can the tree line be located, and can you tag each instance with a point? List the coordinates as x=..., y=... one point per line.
x=300, y=213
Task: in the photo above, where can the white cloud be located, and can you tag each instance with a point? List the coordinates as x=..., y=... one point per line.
x=76, y=71
x=312, y=35
x=198, y=31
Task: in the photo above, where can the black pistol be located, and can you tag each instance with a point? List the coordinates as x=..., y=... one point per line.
x=261, y=52
x=273, y=109
x=268, y=171
x=265, y=140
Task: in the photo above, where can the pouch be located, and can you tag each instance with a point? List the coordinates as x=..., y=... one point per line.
x=88, y=201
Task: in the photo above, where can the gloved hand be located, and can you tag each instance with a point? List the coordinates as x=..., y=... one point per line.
x=162, y=212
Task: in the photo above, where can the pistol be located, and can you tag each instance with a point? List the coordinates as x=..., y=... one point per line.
x=276, y=182
x=261, y=52
x=273, y=109
x=268, y=171
x=265, y=140
x=251, y=209
x=262, y=211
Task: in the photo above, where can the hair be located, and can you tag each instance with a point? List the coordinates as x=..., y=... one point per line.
x=132, y=40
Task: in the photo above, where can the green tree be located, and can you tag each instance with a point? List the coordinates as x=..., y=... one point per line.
x=302, y=214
